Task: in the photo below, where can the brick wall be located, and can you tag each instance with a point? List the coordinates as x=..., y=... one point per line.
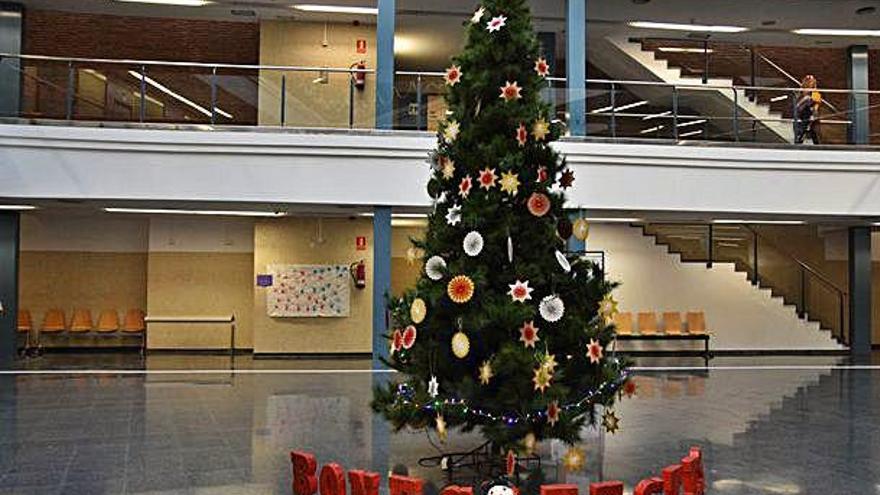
x=113, y=94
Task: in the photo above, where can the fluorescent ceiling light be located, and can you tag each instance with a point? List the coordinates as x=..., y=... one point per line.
x=337, y=9
x=631, y=105
x=613, y=220
x=183, y=3
x=837, y=32
x=186, y=101
x=603, y=109
x=10, y=13
x=676, y=49
x=693, y=122
x=399, y=215
x=651, y=129
x=690, y=133
x=225, y=213
x=701, y=28
x=657, y=115
x=17, y=207
x=779, y=98
x=723, y=221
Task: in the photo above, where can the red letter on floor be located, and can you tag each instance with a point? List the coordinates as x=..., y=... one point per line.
x=692, y=477
x=404, y=485
x=672, y=480
x=363, y=482
x=304, y=467
x=332, y=479
x=457, y=490
x=606, y=488
x=650, y=486
x=559, y=490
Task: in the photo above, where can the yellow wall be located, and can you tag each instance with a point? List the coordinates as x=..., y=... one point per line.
x=293, y=241
x=404, y=273
x=200, y=284
x=309, y=104
x=78, y=279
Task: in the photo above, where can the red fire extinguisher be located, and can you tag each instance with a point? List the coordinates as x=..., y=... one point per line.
x=359, y=76
x=359, y=274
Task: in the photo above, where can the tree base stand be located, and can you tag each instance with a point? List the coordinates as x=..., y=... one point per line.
x=475, y=466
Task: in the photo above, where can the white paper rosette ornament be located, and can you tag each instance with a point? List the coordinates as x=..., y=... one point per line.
x=473, y=243
x=434, y=268
x=551, y=308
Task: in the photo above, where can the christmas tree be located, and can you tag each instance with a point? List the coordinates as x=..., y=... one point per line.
x=504, y=331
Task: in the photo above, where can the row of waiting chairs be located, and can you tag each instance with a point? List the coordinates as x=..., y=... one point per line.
x=55, y=321
x=672, y=324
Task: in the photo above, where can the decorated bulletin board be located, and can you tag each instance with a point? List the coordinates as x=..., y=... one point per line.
x=309, y=291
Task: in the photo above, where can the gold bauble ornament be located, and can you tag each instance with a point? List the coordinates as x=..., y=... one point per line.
x=461, y=345
x=418, y=310
x=580, y=229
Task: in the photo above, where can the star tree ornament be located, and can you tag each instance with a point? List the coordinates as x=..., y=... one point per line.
x=487, y=178
x=486, y=372
x=435, y=268
x=594, y=351
x=528, y=334
x=608, y=308
x=496, y=24
x=549, y=362
x=540, y=129
x=542, y=175
x=433, y=387
x=453, y=215
x=510, y=183
x=542, y=378
x=520, y=291
x=553, y=413
x=464, y=188
x=522, y=135
x=511, y=91
x=447, y=167
x=551, y=308
x=451, y=131
x=473, y=243
x=542, y=68
x=453, y=75
x=460, y=289
x=629, y=388
x=610, y=421
x=567, y=179
x=574, y=460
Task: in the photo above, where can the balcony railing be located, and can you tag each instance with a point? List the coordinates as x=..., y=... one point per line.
x=211, y=95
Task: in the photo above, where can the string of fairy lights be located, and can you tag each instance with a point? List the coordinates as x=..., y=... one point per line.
x=461, y=409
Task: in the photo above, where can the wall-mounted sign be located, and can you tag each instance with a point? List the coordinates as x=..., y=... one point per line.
x=360, y=243
x=362, y=46
x=264, y=280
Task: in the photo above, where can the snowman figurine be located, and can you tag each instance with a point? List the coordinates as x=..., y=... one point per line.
x=499, y=486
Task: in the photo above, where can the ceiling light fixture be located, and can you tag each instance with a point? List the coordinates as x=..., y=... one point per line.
x=690, y=133
x=837, y=32
x=224, y=213
x=693, y=122
x=657, y=115
x=17, y=207
x=701, y=28
x=186, y=101
x=179, y=3
x=778, y=98
x=613, y=220
x=337, y=9
x=651, y=129
x=675, y=49
x=631, y=105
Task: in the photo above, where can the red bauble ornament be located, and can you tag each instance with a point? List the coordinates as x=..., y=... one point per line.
x=409, y=337
x=538, y=204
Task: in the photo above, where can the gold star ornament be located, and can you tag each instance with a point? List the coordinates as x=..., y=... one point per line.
x=610, y=421
x=542, y=378
x=486, y=372
x=509, y=183
x=450, y=131
x=540, y=129
x=574, y=460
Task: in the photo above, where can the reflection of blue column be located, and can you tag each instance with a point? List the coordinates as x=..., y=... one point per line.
x=385, y=65
x=859, y=106
x=8, y=286
x=860, y=290
x=576, y=60
x=10, y=42
x=380, y=438
x=381, y=280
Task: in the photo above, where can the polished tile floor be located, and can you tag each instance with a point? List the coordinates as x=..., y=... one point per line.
x=118, y=424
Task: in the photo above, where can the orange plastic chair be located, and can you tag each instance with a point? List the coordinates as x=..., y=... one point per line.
x=696, y=322
x=81, y=321
x=108, y=321
x=25, y=323
x=53, y=321
x=672, y=323
x=623, y=323
x=134, y=321
x=647, y=323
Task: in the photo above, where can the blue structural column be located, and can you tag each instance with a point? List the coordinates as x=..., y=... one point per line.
x=10, y=75
x=381, y=280
x=9, y=236
x=576, y=66
x=860, y=290
x=574, y=244
x=859, y=105
x=385, y=65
